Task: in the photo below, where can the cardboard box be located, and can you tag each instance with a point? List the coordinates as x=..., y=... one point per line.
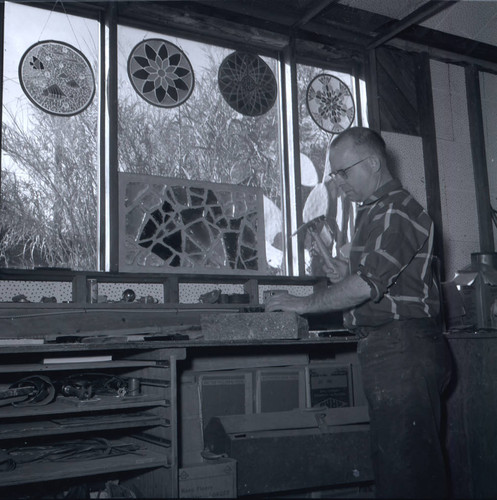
x=212, y=479
x=280, y=389
x=330, y=385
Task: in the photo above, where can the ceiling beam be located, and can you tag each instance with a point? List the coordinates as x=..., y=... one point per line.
x=313, y=11
x=447, y=48
x=419, y=15
x=208, y=25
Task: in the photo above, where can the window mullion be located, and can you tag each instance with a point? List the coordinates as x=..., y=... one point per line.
x=295, y=244
x=110, y=189
x=2, y=31
x=102, y=143
x=357, y=88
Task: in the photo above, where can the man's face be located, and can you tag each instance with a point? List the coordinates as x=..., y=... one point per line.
x=352, y=171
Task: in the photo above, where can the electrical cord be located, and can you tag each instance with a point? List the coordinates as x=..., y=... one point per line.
x=170, y=310
x=6, y=462
x=42, y=391
x=81, y=449
x=493, y=215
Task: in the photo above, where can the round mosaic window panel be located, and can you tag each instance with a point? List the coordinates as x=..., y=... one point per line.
x=330, y=103
x=57, y=78
x=247, y=84
x=161, y=73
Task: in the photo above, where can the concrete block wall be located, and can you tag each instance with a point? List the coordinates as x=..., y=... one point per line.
x=458, y=196
x=488, y=89
x=407, y=163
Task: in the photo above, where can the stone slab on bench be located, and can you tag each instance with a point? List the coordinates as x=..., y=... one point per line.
x=256, y=325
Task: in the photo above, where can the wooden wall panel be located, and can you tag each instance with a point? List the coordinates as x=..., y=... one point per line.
x=478, y=151
x=430, y=153
x=396, y=73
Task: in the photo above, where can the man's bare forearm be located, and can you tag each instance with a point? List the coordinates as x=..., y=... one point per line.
x=345, y=294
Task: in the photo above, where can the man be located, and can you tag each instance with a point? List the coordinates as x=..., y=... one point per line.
x=389, y=295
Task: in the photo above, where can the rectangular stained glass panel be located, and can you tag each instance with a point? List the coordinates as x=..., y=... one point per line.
x=169, y=224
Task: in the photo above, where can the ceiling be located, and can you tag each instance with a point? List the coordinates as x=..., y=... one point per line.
x=452, y=30
x=464, y=26
x=476, y=20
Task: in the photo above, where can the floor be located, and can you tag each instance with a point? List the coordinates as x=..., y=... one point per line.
x=364, y=490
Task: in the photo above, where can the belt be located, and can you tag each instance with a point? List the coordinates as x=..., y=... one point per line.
x=429, y=324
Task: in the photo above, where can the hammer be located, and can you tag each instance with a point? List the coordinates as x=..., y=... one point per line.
x=311, y=226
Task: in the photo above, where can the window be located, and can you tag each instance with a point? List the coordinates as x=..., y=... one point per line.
x=49, y=162
x=203, y=138
x=320, y=196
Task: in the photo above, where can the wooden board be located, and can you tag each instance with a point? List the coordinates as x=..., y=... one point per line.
x=396, y=74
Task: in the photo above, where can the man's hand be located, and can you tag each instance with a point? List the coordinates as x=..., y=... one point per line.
x=337, y=270
x=286, y=302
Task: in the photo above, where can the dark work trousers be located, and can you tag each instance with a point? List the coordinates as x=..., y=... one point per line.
x=405, y=368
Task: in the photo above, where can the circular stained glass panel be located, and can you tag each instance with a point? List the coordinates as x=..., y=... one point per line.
x=57, y=78
x=330, y=103
x=247, y=83
x=161, y=73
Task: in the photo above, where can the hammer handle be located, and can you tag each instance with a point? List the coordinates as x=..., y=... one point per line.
x=322, y=247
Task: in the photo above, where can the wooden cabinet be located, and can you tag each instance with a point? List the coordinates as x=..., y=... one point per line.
x=471, y=415
x=118, y=423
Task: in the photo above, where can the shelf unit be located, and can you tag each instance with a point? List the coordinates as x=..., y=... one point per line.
x=145, y=423
x=178, y=304
x=170, y=283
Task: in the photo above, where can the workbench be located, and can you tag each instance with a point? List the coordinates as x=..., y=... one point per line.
x=153, y=421
x=277, y=447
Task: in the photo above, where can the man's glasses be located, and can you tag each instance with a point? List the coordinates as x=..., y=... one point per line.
x=343, y=171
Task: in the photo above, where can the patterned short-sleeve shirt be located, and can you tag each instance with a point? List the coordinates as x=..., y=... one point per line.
x=392, y=250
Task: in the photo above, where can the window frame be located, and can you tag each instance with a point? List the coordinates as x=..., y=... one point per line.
x=287, y=59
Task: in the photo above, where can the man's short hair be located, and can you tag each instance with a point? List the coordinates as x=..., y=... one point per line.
x=362, y=136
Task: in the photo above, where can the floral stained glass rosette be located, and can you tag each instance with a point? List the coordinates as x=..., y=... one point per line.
x=330, y=103
x=57, y=78
x=161, y=73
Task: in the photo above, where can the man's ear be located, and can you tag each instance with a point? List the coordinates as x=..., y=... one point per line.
x=375, y=163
